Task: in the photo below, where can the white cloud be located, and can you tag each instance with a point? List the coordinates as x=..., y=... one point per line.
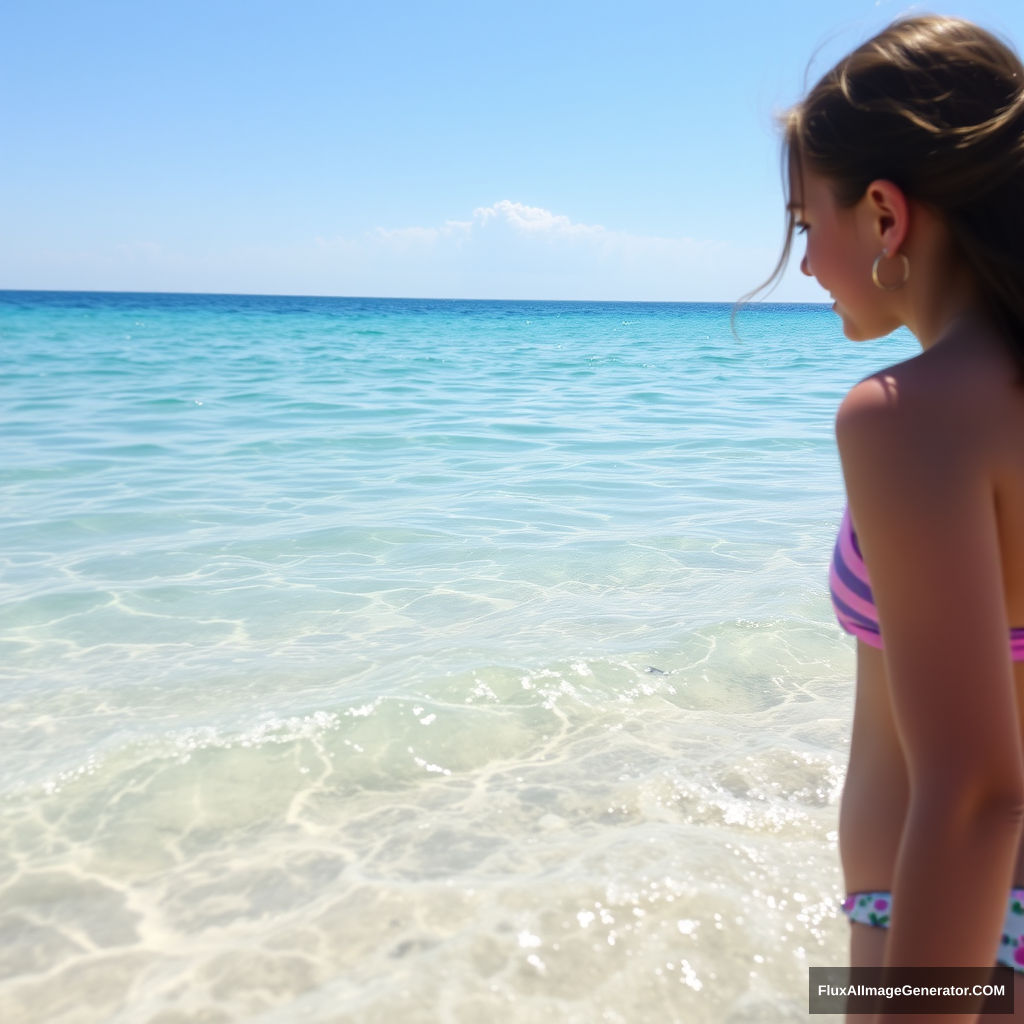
x=536, y=219
x=507, y=250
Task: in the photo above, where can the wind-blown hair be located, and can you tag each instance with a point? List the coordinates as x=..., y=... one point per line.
x=935, y=105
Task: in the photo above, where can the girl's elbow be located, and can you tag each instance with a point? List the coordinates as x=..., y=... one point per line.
x=1001, y=807
x=1012, y=806
x=999, y=804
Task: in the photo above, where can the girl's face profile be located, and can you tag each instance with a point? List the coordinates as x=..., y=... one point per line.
x=841, y=245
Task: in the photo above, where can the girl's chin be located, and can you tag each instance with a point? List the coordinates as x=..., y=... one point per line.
x=848, y=325
x=850, y=329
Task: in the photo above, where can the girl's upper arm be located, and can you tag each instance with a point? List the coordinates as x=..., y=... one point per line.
x=925, y=517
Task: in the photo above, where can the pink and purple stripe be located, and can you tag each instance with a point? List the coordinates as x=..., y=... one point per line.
x=853, y=601
x=848, y=581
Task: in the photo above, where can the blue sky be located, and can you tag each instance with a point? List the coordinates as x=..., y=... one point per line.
x=488, y=149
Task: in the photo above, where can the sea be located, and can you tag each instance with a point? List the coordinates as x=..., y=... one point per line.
x=377, y=661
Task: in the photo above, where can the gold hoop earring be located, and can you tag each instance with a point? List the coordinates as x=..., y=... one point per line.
x=884, y=254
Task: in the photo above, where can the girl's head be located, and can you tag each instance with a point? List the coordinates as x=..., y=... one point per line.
x=930, y=114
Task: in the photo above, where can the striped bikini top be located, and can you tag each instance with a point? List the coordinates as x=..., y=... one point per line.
x=853, y=601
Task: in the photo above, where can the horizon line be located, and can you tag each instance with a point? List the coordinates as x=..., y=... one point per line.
x=402, y=298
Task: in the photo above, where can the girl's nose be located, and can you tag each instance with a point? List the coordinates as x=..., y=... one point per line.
x=804, y=267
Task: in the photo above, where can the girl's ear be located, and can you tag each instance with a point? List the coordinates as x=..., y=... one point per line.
x=889, y=211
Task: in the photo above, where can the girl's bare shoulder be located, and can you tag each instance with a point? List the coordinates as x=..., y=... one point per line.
x=964, y=395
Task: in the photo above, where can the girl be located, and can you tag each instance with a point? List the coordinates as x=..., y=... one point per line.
x=906, y=173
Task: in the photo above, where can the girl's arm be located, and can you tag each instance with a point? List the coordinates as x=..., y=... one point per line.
x=925, y=517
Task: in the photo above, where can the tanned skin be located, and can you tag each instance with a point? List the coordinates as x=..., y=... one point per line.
x=933, y=456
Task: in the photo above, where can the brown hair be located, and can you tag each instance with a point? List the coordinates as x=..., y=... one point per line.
x=935, y=105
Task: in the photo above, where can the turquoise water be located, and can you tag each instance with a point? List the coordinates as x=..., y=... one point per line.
x=376, y=660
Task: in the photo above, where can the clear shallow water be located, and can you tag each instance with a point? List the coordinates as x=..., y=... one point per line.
x=375, y=660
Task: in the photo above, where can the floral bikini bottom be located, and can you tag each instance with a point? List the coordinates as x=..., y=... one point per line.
x=874, y=908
